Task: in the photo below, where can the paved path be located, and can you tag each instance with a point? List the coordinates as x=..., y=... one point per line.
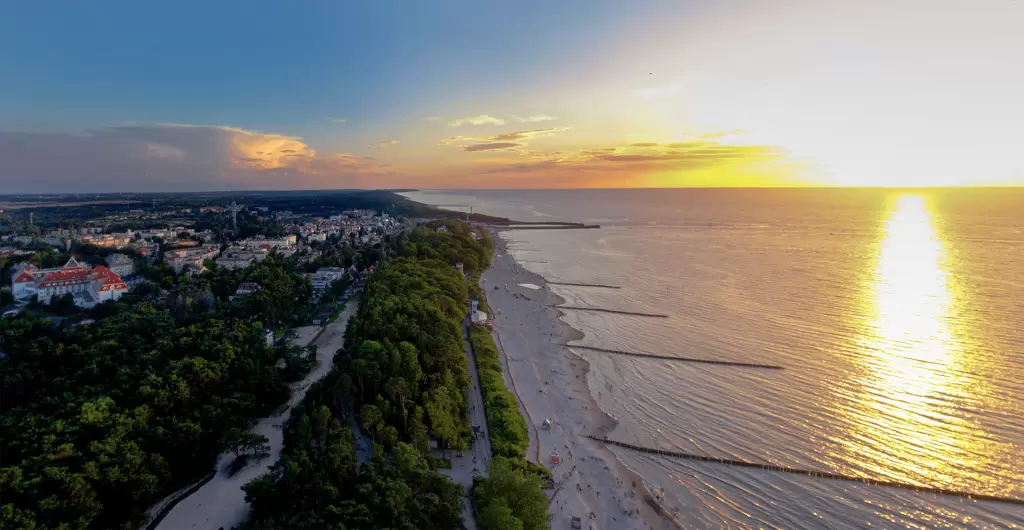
x=221, y=502
x=477, y=459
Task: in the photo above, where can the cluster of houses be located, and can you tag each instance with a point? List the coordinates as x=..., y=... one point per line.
x=87, y=285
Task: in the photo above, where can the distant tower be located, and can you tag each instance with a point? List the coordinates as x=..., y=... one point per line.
x=30, y=219
x=234, y=217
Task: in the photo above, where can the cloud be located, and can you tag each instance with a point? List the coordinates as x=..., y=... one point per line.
x=482, y=119
x=655, y=92
x=385, y=143
x=173, y=157
x=337, y=120
x=534, y=118
x=504, y=141
x=433, y=118
x=494, y=146
x=650, y=158
x=723, y=134
x=520, y=135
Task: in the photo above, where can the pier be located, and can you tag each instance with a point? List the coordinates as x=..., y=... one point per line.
x=586, y=285
x=813, y=474
x=680, y=359
x=602, y=310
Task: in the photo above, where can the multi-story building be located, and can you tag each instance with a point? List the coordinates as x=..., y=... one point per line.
x=88, y=286
x=181, y=258
x=121, y=264
x=324, y=277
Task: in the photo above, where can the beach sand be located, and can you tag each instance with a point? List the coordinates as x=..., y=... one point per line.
x=552, y=382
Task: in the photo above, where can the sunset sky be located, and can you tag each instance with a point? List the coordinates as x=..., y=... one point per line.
x=141, y=96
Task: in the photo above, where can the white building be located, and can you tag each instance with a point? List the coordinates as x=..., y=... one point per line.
x=182, y=258
x=88, y=286
x=324, y=277
x=121, y=264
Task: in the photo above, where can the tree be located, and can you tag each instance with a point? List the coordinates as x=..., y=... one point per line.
x=240, y=442
x=507, y=493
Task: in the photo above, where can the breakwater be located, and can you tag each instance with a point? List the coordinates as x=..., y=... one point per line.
x=680, y=359
x=603, y=310
x=586, y=285
x=814, y=474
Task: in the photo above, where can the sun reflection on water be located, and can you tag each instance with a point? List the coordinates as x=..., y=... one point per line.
x=908, y=420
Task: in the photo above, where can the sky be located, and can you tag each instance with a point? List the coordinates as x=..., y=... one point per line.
x=180, y=96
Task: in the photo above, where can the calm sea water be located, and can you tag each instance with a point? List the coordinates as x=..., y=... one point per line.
x=897, y=316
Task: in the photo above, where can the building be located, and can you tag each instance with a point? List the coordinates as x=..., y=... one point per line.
x=190, y=258
x=108, y=240
x=245, y=289
x=459, y=267
x=235, y=259
x=121, y=264
x=324, y=277
x=475, y=315
x=88, y=286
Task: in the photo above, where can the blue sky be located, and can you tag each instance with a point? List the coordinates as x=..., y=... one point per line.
x=569, y=93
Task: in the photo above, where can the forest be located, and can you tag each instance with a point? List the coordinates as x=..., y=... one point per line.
x=100, y=420
x=401, y=381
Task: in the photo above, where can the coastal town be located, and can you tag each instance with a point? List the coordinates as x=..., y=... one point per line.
x=303, y=277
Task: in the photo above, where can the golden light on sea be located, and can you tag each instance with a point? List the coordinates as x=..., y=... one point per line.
x=908, y=421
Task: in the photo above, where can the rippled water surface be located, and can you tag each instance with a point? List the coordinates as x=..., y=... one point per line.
x=897, y=316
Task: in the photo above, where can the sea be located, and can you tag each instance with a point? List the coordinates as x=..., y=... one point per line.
x=895, y=314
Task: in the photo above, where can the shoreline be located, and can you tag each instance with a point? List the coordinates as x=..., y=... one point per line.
x=552, y=381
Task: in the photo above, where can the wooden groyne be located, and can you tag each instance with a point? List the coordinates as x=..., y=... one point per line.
x=602, y=310
x=813, y=474
x=586, y=285
x=680, y=359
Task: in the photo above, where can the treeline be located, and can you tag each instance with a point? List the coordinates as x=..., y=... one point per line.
x=511, y=496
x=101, y=420
x=401, y=379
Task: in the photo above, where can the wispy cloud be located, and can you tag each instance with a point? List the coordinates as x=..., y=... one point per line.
x=337, y=120
x=641, y=157
x=482, y=119
x=433, y=118
x=534, y=118
x=504, y=141
x=385, y=143
x=655, y=92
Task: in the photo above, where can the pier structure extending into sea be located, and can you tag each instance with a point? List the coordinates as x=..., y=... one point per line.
x=585, y=285
x=674, y=358
x=814, y=474
x=603, y=310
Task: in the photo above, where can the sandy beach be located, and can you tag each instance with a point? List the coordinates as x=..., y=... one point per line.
x=553, y=382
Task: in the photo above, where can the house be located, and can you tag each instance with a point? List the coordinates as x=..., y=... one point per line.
x=442, y=229
x=121, y=264
x=88, y=286
x=458, y=267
